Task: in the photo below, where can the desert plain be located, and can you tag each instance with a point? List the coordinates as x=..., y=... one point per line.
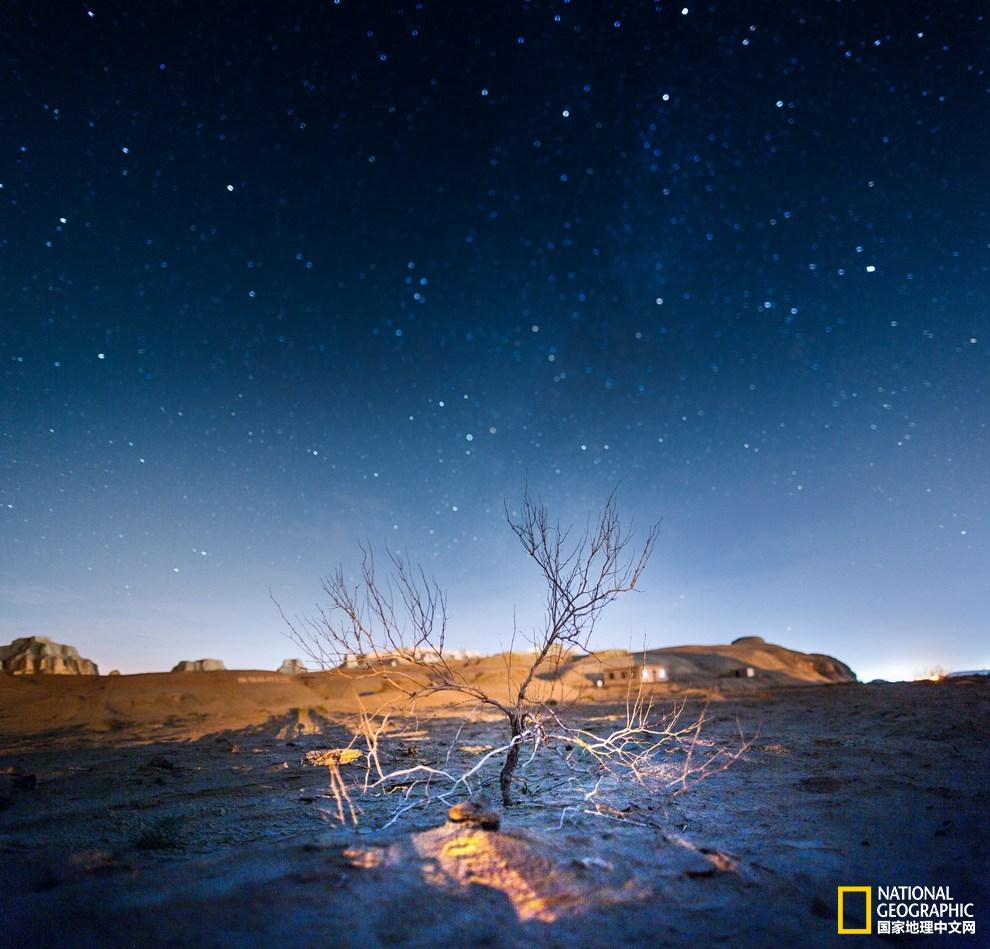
x=184, y=809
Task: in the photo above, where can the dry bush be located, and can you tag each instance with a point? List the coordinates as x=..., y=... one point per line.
x=617, y=772
x=393, y=627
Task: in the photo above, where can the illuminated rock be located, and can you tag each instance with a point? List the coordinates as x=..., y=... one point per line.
x=475, y=812
x=333, y=757
x=292, y=667
x=38, y=654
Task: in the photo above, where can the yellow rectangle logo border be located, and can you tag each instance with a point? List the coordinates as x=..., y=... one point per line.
x=842, y=891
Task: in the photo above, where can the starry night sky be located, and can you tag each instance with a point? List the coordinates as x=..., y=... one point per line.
x=279, y=278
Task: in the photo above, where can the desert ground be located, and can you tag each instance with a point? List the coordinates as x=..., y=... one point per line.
x=181, y=810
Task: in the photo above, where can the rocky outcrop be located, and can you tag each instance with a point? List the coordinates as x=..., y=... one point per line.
x=292, y=667
x=199, y=665
x=748, y=662
x=38, y=654
x=833, y=669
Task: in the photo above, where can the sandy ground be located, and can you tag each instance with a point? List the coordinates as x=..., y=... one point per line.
x=174, y=835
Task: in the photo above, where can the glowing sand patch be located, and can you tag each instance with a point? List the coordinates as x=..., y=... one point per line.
x=363, y=859
x=538, y=887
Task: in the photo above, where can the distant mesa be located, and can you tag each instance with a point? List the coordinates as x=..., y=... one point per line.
x=749, y=641
x=401, y=657
x=38, y=654
x=292, y=667
x=200, y=665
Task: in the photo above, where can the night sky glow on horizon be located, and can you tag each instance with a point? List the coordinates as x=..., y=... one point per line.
x=279, y=279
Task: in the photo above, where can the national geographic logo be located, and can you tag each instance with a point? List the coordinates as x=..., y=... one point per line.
x=902, y=910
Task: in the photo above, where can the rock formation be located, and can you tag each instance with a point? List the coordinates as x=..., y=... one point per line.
x=199, y=665
x=34, y=654
x=292, y=667
x=833, y=669
x=749, y=661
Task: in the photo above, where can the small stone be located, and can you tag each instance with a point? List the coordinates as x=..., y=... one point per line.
x=589, y=863
x=475, y=812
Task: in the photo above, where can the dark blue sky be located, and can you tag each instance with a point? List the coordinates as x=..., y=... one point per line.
x=281, y=278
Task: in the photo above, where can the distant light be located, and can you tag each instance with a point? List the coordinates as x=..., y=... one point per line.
x=101, y=356
x=230, y=187
x=469, y=437
x=870, y=268
x=666, y=97
x=566, y=113
x=684, y=11
x=484, y=92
